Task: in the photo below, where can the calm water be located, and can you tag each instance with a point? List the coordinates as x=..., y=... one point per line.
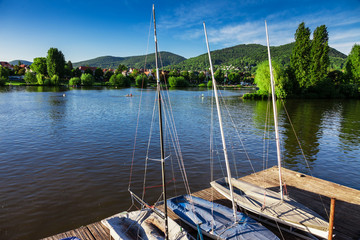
x=65, y=160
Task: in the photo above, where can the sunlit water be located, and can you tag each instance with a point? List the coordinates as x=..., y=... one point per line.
x=66, y=155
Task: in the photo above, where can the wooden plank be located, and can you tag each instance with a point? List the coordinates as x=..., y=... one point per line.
x=99, y=231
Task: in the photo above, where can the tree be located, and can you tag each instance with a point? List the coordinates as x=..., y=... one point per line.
x=141, y=81
x=178, y=82
x=4, y=72
x=352, y=66
x=202, y=77
x=87, y=79
x=89, y=71
x=234, y=77
x=119, y=80
x=99, y=74
x=219, y=76
x=108, y=75
x=40, y=79
x=55, y=80
x=319, y=56
x=30, y=78
x=55, y=62
x=39, y=65
x=76, y=72
x=262, y=79
x=121, y=68
x=75, y=81
x=4, y=75
x=300, y=57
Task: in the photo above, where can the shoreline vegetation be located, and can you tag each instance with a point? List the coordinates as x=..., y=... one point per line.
x=307, y=72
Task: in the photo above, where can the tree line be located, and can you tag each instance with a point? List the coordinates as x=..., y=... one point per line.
x=309, y=73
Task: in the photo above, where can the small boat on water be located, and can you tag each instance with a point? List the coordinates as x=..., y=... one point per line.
x=217, y=221
x=142, y=224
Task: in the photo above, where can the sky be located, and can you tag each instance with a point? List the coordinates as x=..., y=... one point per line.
x=86, y=29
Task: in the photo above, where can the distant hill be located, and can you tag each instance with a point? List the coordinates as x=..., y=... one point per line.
x=15, y=62
x=245, y=56
x=167, y=59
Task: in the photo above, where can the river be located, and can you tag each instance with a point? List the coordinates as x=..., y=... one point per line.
x=66, y=154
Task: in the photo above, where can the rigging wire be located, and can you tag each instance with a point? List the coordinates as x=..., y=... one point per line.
x=139, y=111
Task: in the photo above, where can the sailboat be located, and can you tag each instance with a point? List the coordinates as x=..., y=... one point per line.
x=148, y=222
x=270, y=204
x=214, y=220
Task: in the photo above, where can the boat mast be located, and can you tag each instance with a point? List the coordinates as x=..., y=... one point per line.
x=275, y=114
x=221, y=127
x=161, y=130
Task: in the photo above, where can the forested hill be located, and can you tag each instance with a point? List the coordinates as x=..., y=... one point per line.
x=167, y=59
x=246, y=55
x=243, y=56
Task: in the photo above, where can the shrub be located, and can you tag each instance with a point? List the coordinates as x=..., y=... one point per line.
x=87, y=79
x=55, y=80
x=40, y=78
x=178, y=82
x=209, y=84
x=141, y=81
x=119, y=80
x=75, y=81
x=202, y=85
x=30, y=78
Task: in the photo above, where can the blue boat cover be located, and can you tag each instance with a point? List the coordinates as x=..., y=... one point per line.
x=216, y=220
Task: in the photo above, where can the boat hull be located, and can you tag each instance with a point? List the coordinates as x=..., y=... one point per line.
x=216, y=221
x=288, y=212
x=142, y=224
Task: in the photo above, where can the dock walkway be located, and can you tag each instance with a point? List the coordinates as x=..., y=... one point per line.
x=310, y=191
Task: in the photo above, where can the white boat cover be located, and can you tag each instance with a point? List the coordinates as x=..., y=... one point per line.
x=216, y=221
x=142, y=224
x=268, y=204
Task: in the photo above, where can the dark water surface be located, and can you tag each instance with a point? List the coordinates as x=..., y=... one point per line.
x=65, y=159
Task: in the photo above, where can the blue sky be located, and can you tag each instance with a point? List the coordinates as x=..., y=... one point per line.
x=87, y=29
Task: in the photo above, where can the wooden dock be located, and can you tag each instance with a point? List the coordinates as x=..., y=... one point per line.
x=310, y=191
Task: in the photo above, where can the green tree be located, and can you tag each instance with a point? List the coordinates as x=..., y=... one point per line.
x=75, y=81
x=178, y=82
x=262, y=79
x=352, y=66
x=89, y=71
x=55, y=80
x=219, y=76
x=185, y=75
x=108, y=75
x=300, y=57
x=30, y=78
x=193, y=77
x=99, y=74
x=119, y=80
x=141, y=81
x=121, y=68
x=87, y=79
x=202, y=77
x=39, y=65
x=40, y=78
x=234, y=78
x=319, y=56
x=55, y=62
x=76, y=72
x=3, y=80
x=4, y=72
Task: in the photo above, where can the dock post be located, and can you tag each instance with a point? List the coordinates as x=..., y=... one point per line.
x=331, y=220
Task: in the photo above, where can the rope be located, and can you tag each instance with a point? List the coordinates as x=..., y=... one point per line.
x=303, y=154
